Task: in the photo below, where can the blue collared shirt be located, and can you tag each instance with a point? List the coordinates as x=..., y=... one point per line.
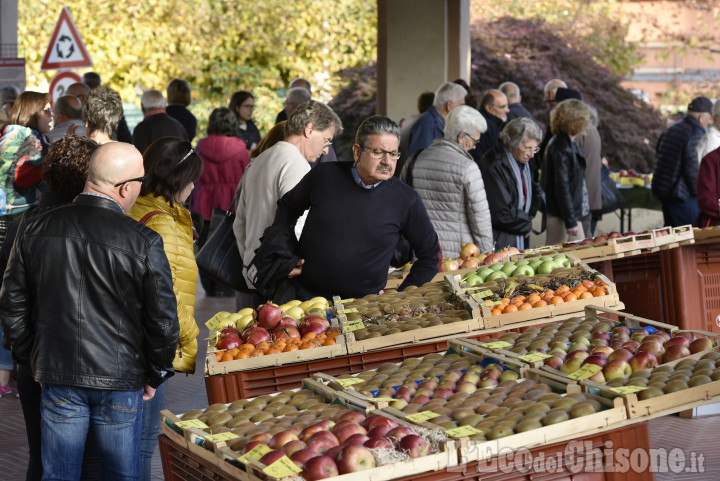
x=359, y=181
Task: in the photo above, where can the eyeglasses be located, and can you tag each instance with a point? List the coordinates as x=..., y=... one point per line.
x=474, y=141
x=379, y=154
x=535, y=150
x=136, y=179
x=192, y=151
x=251, y=107
x=328, y=141
x=501, y=107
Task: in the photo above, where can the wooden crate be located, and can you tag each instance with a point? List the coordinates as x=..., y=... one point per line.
x=395, y=277
x=706, y=235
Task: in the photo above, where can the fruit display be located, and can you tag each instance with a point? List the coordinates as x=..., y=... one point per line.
x=272, y=329
x=314, y=437
x=525, y=267
x=393, y=312
x=628, y=178
x=471, y=257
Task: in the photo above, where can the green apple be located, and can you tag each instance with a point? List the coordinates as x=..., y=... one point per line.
x=483, y=272
x=521, y=263
x=496, y=275
x=535, y=263
x=509, y=269
x=562, y=260
x=524, y=270
x=546, y=267
x=546, y=258
x=473, y=279
x=496, y=267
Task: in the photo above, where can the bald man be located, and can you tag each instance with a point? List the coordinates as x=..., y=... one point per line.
x=79, y=90
x=156, y=122
x=67, y=111
x=87, y=302
x=494, y=107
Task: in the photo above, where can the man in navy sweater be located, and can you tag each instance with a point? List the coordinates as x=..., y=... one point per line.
x=358, y=211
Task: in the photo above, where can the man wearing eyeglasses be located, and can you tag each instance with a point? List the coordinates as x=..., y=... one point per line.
x=357, y=213
x=87, y=302
x=494, y=107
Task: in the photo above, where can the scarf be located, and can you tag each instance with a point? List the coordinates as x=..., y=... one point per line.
x=524, y=201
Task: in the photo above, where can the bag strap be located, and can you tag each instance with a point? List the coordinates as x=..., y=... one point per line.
x=150, y=215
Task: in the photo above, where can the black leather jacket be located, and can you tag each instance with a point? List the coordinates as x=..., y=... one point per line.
x=562, y=179
x=87, y=298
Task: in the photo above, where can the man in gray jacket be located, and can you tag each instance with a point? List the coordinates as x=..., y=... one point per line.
x=451, y=186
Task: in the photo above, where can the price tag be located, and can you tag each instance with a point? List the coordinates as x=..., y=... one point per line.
x=482, y=294
x=491, y=303
x=463, y=431
x=216, y=438
x=421, y=416
x=353, y=326
x=535, y=357
x=347, y=311
x=282, y=468
x=191, y=423
x=213, y=322
x=496, y=344
x=381, y=399
x=346, y=301
x=588, y=370
x=349, y=381
x=627, y=389
x=255, y=453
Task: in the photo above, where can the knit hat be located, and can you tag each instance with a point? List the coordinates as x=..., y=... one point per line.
x=700, y=105
x=564, y=94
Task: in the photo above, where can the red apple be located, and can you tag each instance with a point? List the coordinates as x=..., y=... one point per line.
x=686, y=334
x=302, y=456
x=643, y=360
x=616, y=368
x=321, y=444
x=700, y=344
x=602, y=350
x=346, y=431
x=293, y=446
x=334, y=451
x=355, y=416
x=631, y=346
x=675, y=352
x=251, y=445
x=421, y=399
x=399, y=432
x=313, y=428
x=281, y=439
x=355, y=457
x=442, y=393
x=554, y=362
x=623, y=354
x=262, y=437
x=656, y=337
x=379, y=431
x=320, y=467
x=428, y=384
x=378, y=443
x=653, y=347
x=378, y=420
x=357, y=439
x=596, y=359
x=414, y=446
x=324, y=434
x=272, y=456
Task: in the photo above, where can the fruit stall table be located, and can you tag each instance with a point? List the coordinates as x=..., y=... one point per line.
x=636, y=198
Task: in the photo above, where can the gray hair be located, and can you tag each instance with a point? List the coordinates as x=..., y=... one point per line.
x=594, y=119
x=300, y=82
x=312, y=112
x=463, y=119
x=298, y=95
x=448, y=92
x=102, y=110
x=152, y=100
x=518, y=130
x=68, y=105
x=716, y=109
x=552, y=86
x=376, y=125
x=510, y=89
x=8, y=93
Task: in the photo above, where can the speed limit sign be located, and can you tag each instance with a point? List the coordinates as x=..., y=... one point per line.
x=60, y=83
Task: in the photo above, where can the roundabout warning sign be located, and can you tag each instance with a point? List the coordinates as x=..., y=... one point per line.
x=66, y=48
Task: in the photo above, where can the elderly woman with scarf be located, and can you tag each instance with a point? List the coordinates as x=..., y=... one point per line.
x=513, y=196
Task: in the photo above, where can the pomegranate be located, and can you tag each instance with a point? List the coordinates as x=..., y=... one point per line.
x=314, y=327
x=228, y=342
x=255, y=333
x=287, y=321
x=285, y=333
x=319, y=319
x=469, y=250
x=269, y=316
x=449, y=265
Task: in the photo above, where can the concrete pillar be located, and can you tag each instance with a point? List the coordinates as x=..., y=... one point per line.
x=8, y=28
x=421, y=44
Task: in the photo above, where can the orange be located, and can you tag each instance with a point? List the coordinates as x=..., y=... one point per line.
x=540, y=303
x=227, y=356
x=549, y=292
x=579, y=288
x=329, y=342
x=524, y=306
x=248, y=346
x=519, y=298
x=556, y=300
x=261, y=345
x=588, y=283
x=257, y=354
x=290, y=347
x=562, y=288
x=309, y=335
x=517, y=303
x=273, y=350
x=510, y=308
x=533, y=298
x=218, y=356
x=495, y=312
x=333, y=335
x=585, y=295
x=242, y=354
x=599, y=292
x=306, y=345
x=569, y=297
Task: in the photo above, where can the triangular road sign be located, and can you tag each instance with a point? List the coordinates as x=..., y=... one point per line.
x=66, y=48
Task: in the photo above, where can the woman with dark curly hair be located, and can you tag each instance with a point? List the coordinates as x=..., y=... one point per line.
x=64, y=171
x=225, y=157
x=171, y=169
x=242, y=104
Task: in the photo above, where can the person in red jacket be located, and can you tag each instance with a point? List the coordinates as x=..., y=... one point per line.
x=708, y=190
x=225, y=158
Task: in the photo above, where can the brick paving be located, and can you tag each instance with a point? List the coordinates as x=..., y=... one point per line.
x=695, y=437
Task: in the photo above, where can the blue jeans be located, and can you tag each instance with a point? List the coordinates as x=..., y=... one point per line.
x=68, y=412
x=151, y=430
x=678, y=212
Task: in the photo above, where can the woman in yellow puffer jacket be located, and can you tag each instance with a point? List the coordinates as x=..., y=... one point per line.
x=171, y=168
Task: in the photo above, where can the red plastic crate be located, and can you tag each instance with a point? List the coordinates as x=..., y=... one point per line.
x=226, y=388
x=641, y=285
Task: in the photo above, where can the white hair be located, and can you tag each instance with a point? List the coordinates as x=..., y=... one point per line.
x=152, y=100
x=448, y=92
x=298, y=95
x=510, y=89
x=552, y=86
x=464, y=119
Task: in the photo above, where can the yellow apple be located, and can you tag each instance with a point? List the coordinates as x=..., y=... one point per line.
x=295, y=312
x=243, y=323
x=246, y=311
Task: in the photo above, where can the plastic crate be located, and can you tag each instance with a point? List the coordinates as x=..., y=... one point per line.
x=226, y=388
x=640, y=282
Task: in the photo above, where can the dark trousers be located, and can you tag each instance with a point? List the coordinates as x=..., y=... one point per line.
x=678, y=212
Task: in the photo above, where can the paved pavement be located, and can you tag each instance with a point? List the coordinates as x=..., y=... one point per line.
x=696, y=438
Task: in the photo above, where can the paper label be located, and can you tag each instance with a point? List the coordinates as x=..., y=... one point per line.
x=346, y=311
x=346, y=301
x=215, y=320
x=216, y=438
x=191, y=423
x=491, y=303
x=588, y=370
x=496, y=344
x=421, y=416
x=353, y=326
x=482, y=294
x=381, y=399
x=463, y=431
x=282, y=468
x=349, y=381
x=255, y=453
x=535, y=357
x=627, y=389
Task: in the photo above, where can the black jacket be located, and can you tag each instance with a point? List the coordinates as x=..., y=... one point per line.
x=676, y=167
x=562, y=179
x=87, y=298
x=489, y=138
x=502, y=194
x=155, y=126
